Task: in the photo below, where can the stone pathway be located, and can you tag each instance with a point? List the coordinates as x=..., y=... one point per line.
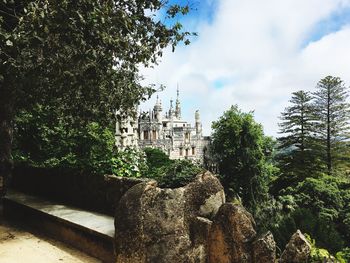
x=18, y=245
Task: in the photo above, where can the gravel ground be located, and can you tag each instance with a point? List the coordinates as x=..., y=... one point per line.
x=18, y=245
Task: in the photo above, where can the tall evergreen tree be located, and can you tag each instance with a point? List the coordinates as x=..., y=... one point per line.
x=332, y=112
x=297, y=156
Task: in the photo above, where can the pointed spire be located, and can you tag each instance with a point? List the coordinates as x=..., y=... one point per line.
x=178, y=107
x=171, y=110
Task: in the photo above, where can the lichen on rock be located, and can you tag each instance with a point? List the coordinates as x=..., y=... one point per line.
x=167, y=225
x=297, y=250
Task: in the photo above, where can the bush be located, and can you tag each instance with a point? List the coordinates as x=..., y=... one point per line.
x=156, y=158
x=317, y=254
x=176, y=174
x=129, y=163
x=343, y=256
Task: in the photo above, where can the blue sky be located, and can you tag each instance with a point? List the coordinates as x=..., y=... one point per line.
x=332, y=23
x=255, y=54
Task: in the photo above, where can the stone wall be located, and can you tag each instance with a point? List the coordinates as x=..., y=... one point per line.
x=88, y=191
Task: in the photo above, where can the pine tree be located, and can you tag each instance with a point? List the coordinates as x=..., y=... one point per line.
x=297, y=156
x=332, y=112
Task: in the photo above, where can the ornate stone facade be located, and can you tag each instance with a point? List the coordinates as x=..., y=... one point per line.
x=126, y=134
x=168, y=132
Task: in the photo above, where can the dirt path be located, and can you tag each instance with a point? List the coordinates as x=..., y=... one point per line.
x=17, y=246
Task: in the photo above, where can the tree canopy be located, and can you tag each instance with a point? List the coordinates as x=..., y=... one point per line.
x=78, y=58
x=238, y=144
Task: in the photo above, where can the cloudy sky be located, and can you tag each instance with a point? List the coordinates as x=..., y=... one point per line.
x=253, y=53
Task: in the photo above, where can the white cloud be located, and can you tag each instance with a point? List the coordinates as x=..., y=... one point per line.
x=258, y=49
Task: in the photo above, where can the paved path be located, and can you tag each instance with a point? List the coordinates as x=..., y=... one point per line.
x=18, y=245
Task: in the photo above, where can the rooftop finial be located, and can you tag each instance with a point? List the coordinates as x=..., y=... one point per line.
x=158, y=105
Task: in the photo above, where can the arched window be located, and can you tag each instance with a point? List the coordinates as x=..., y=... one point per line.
x=145, y=135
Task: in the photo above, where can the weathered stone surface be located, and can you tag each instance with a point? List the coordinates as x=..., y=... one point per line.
x=264, y=249
x=297, y=250
x=167, y=225
x=130, y=247
x=231, y=235
x=204, y=196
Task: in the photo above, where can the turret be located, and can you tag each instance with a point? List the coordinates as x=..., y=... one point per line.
x=198, y=123
x=158, y=110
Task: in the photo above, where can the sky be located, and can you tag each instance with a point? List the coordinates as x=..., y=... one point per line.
x=254, y=54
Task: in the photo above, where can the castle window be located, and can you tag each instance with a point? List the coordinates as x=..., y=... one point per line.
x=193, y=150
x=145, y=135
x=187, y=135
x=186, y=152
x=181, y=152
x=164, y=124
x=154, y=134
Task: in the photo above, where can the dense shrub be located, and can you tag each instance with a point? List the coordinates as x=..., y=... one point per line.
x=129, y=163
x=321, y=209
x=169, y=173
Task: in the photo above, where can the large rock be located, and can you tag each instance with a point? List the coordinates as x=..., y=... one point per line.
x=167, y=225
x=297, y=250
x=231, y=235
x=264, y=249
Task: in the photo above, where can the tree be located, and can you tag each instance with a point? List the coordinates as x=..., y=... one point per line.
x=79, y=58
x=332, y=113
x=298, y=156
x=238, y=145
x=156, y=158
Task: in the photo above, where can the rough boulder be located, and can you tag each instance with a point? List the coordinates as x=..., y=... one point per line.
x=167, y=225
x=297, y=250
x=264, y=249
x=231, y=235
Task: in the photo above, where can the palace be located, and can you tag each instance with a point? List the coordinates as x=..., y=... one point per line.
x=168, y=132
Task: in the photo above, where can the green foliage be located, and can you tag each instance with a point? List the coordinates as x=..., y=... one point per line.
x=129, y=163
x=298, y=156
x=169, y=173
x=317, y=254
x=238, y=145
x=315, y=140
x=79, y=60
x=322, y=210
x=332, y=112
x=176, y=174
x=270, y=212
x=343, y=256
x=41, y=140
x=156, y=158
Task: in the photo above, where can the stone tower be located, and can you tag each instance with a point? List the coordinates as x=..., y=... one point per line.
x=158, y=110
